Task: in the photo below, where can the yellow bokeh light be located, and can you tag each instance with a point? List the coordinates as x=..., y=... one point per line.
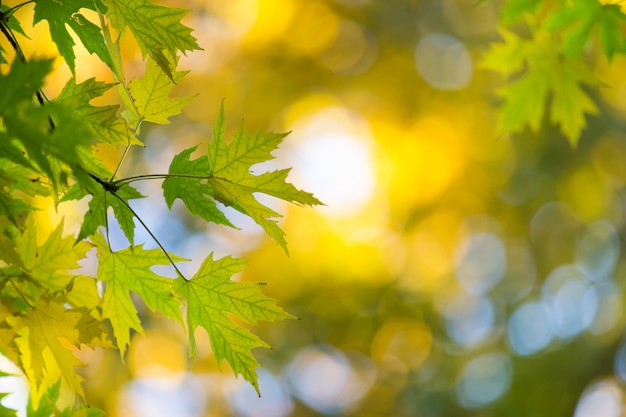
x=609, y=155
x=307, y=106
x=156, y=355
x=240, y=14
x=401, y=340
x=427, y=159
x=272, y=22
x=313, y=28
x=586, y=193
x=353, y=50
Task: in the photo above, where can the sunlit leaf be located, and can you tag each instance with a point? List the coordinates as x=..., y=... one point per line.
x=129, y=270
x=211, y=297
x=224, y=175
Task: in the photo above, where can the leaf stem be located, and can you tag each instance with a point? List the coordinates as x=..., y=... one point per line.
x=117, y=168
x=106, y=221
x=8, y=33
x=180, y=274
x=13, y=9
x=159, y=177
x=18, y=290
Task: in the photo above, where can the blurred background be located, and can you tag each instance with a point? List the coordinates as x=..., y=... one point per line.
x=452, y=272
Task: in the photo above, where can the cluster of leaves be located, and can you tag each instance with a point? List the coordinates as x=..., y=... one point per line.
x=48, y=308
x=544, y=43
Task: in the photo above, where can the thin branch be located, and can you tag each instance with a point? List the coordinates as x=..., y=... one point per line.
x=150, y=233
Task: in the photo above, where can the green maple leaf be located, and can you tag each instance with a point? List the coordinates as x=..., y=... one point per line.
x=507, y=57
x=194, y=194
x=8, y=251
x=579, y=19
x=48, y=265
x=18, y=177
x=22, y=82
x=47, y=406
x=151, y=95
x=524, y=103
x=212, y=297
x=13, y=24
x=100, y=201
x=7, y=332
x=102, y=120
x=570, y=102
x=129, y=270
x=63, y=13
x=54, y=153
x=41, y=350
x=541, y=75
x=513, y=10
x=157, y=29
x=224, y=175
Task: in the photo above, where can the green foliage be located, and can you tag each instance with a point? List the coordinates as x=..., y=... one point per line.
x=63, y=14
x=47, y=149
x=211, y=297
x=224, y=175
x=548, y=73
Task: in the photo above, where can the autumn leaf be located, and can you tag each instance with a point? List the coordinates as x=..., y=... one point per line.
x=211, y=297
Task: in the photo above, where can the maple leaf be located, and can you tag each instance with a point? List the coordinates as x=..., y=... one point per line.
x=22, y=82
x=61, y=14
x=8, y=251
x=129, y=270
x=47, y=265
x=524, y=103
x=541, y=75
x=570, y=102
x=102, y=120
x=57, y=255
x=151, y=94
x=224, y=175
x=211, y=297
x=506, y=57
x=579, y=19
x=7, y=332
x=156, y=29
x=39, y=342
x=513, y=10
x=47, y=406
x=11, y=23
x=100, y=201
x=55, y=152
